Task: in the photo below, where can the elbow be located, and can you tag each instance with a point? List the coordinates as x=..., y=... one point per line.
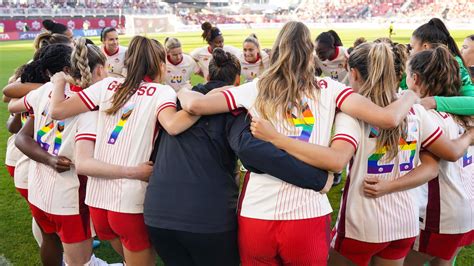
x=390, y=121
x=172, y=129
x=56, y=114
x=195, y=107
x=336, y=167
x=453, y=156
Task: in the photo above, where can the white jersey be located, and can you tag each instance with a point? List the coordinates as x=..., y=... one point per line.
x=268, y=198
x=335, y=68
x=252, y=70
x=203, y=56
x=50, y=191
x=125, y=138
x=13, y=153
x=115, y=62
x=179, y=75
x=393, y=216
x=22, y=165
x=447, y=202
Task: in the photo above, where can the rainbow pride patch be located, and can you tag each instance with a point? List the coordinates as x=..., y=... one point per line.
x=306, y=123
x=127, y=112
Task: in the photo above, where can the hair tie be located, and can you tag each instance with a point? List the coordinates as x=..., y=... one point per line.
x=215, y=32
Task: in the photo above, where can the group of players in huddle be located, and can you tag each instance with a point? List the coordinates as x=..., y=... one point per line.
x=116, y=142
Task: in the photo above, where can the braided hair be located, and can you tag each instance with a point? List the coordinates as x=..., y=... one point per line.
x=84, y=58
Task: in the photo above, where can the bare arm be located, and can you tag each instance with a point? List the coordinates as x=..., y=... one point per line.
x=14, y=123
x=176, y=122
x=427, y=170
x=17, y=106
x=17, y=89
x=25, y=143
x=335, y=157
x=387, y=117
x=452, y=149
x=87, y=165
x=198, y=104
x=61, y=108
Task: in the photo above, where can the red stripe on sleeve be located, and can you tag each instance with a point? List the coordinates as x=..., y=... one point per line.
x=342, y=97
x=346, y=138
x=432, y=138
x=164, y=106
x=86, y=100
x=230, y=100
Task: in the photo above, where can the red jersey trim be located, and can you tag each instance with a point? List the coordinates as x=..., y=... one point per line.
x=346, y=138
x=164, y=106
x=230, y=100
x=342, y=96
x=85, y=138
x=336, y=54
x=432, y=138
x=27, y=105
x=111, y=54
x=171, y=62
x=86, y=100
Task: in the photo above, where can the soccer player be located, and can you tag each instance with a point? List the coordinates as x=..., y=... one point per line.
x=253, y=60
x=467, y=52
x=331, y=57
x=428, y=36
x=446, y=211
x=179, y=66
x=114, y=52
x=214, y=38
x=129, y=110
x=274, y=215
x=380, y=230
x=182, y=193
x=56, y=192
x=54, y=27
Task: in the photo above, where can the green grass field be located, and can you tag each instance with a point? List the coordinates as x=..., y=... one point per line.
x=16, y=242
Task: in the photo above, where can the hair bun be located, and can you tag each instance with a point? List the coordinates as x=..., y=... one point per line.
x=253, y=35
x=48, y=24
x=206, y=26
x=220, y=57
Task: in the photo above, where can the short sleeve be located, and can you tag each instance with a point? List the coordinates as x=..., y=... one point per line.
x=87, y=126
x=32, y=99
x=339, y=90
x=241, y=96
x=91, y=96
x=195, y=54
x=167, y=98
x=347, y=128
x=430, y=129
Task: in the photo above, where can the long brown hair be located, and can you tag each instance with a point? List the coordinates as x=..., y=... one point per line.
x=375, y=63
x=144, y=58
x=84, y=58
x=290, y=76
x=438, y=71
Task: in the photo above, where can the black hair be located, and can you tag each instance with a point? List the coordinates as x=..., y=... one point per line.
x=209, y=32
x=52, y=58
x=54, y=27
x=329, y=38
x=435, y=32
x=104, y=32
x=223, y=66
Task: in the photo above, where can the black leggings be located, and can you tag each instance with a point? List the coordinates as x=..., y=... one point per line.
x=180, y=248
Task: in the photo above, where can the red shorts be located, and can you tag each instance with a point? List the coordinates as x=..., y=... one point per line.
x=442, y=246
x=361, y=252
x=129, y=227
x=70, y=228
x=23, y=192
x=293, y=242
x=11, y=170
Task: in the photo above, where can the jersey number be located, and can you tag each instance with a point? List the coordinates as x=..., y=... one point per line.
x=374, y=166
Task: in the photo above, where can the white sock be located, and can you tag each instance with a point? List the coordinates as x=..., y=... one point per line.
x=36, y=232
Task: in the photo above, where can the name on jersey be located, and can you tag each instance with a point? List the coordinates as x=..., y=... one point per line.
x=142, y=90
